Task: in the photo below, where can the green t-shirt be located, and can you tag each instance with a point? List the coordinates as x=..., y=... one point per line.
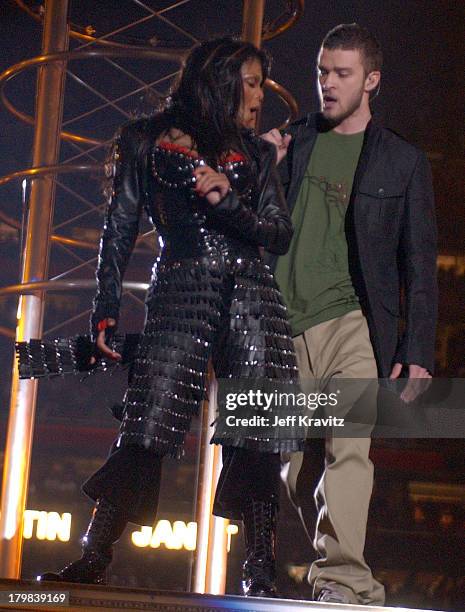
x=314, y=275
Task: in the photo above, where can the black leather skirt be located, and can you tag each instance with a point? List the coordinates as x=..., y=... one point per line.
x=226, y=309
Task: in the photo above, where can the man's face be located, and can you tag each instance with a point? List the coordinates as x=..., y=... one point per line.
x=341, y=83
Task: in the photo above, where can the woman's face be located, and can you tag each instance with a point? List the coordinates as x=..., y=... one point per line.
x=252, y=93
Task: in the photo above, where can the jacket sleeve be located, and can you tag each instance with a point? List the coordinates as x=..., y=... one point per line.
x=121, y=225
x=270, y=226
x=285, y=165
x=417, y=263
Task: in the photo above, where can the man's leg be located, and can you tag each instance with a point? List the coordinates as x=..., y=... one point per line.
x=342, y=498
x=341, y=348
x=302, y=470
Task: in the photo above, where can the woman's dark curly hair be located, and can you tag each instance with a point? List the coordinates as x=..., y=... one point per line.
x=205, y=101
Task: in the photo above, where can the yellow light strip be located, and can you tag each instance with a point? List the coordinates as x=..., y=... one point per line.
x=176, y=535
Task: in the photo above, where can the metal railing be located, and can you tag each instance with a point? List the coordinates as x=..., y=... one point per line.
x=40, y=233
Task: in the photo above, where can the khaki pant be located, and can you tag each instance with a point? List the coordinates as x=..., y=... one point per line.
x=339, y=348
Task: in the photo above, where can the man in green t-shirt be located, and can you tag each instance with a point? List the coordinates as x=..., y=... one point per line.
x=314, y=274
x=363, y=212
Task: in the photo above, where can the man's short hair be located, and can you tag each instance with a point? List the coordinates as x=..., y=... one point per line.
x=354, y=36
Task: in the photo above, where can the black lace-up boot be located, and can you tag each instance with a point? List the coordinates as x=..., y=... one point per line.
x=106, y=526
x=259, y=569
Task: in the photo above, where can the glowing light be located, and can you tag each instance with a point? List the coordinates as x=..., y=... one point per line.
x=28, y=523
x=231, y=530
x=49, y=525
x=190, y=536
x=176, y=536
x=52, y=526
x=173, y=536
x=218, y=553
x=142, y=538
x=18, y=312
x=41, y=529
x=24, y=189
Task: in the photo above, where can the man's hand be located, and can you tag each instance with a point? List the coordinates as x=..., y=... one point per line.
x=419, y=379
x=211, y=185
x=281, y=142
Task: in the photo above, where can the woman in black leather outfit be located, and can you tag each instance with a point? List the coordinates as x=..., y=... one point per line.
x=209, y=186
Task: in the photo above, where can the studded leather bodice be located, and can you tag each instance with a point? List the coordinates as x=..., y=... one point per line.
x=182, y=219
x=159, y=179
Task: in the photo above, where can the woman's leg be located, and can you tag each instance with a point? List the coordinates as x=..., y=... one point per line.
x=105, y=528
x=125, y=489
x=259, y=570
x=248, y=490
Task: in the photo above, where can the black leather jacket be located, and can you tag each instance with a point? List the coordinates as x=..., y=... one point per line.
x=189, y=227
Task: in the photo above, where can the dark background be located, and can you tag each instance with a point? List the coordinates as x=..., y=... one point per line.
x=415, y=542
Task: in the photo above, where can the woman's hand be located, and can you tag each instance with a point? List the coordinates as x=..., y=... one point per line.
x=104, y=349
x=211, y=185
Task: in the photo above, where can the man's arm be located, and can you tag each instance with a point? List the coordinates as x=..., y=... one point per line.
x=417, y=264
x=284, y=143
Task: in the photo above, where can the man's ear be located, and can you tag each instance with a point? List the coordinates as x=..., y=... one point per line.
x=372, y=80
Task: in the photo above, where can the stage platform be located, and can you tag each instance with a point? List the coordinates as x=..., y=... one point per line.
x=110, y=599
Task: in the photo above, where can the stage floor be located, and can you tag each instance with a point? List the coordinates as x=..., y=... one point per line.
x=109, y=599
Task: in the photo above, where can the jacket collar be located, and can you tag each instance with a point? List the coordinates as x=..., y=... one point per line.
x=315, y=123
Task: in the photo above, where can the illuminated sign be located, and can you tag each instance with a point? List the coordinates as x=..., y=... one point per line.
x=173, y=536
x=49, y=525
x=178, y=535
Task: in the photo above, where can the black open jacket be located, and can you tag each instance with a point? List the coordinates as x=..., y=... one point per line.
x=391, y=234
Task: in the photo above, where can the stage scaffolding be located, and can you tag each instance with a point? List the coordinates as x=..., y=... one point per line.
x=40, y=229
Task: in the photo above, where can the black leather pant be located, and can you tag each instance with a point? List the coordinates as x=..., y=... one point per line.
x=130, y=480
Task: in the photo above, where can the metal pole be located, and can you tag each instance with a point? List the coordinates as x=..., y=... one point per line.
x=203, y=504
x=215, y=580
x=211, y=555
x=49, y=108
x=253, y=12
x=252, y=21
